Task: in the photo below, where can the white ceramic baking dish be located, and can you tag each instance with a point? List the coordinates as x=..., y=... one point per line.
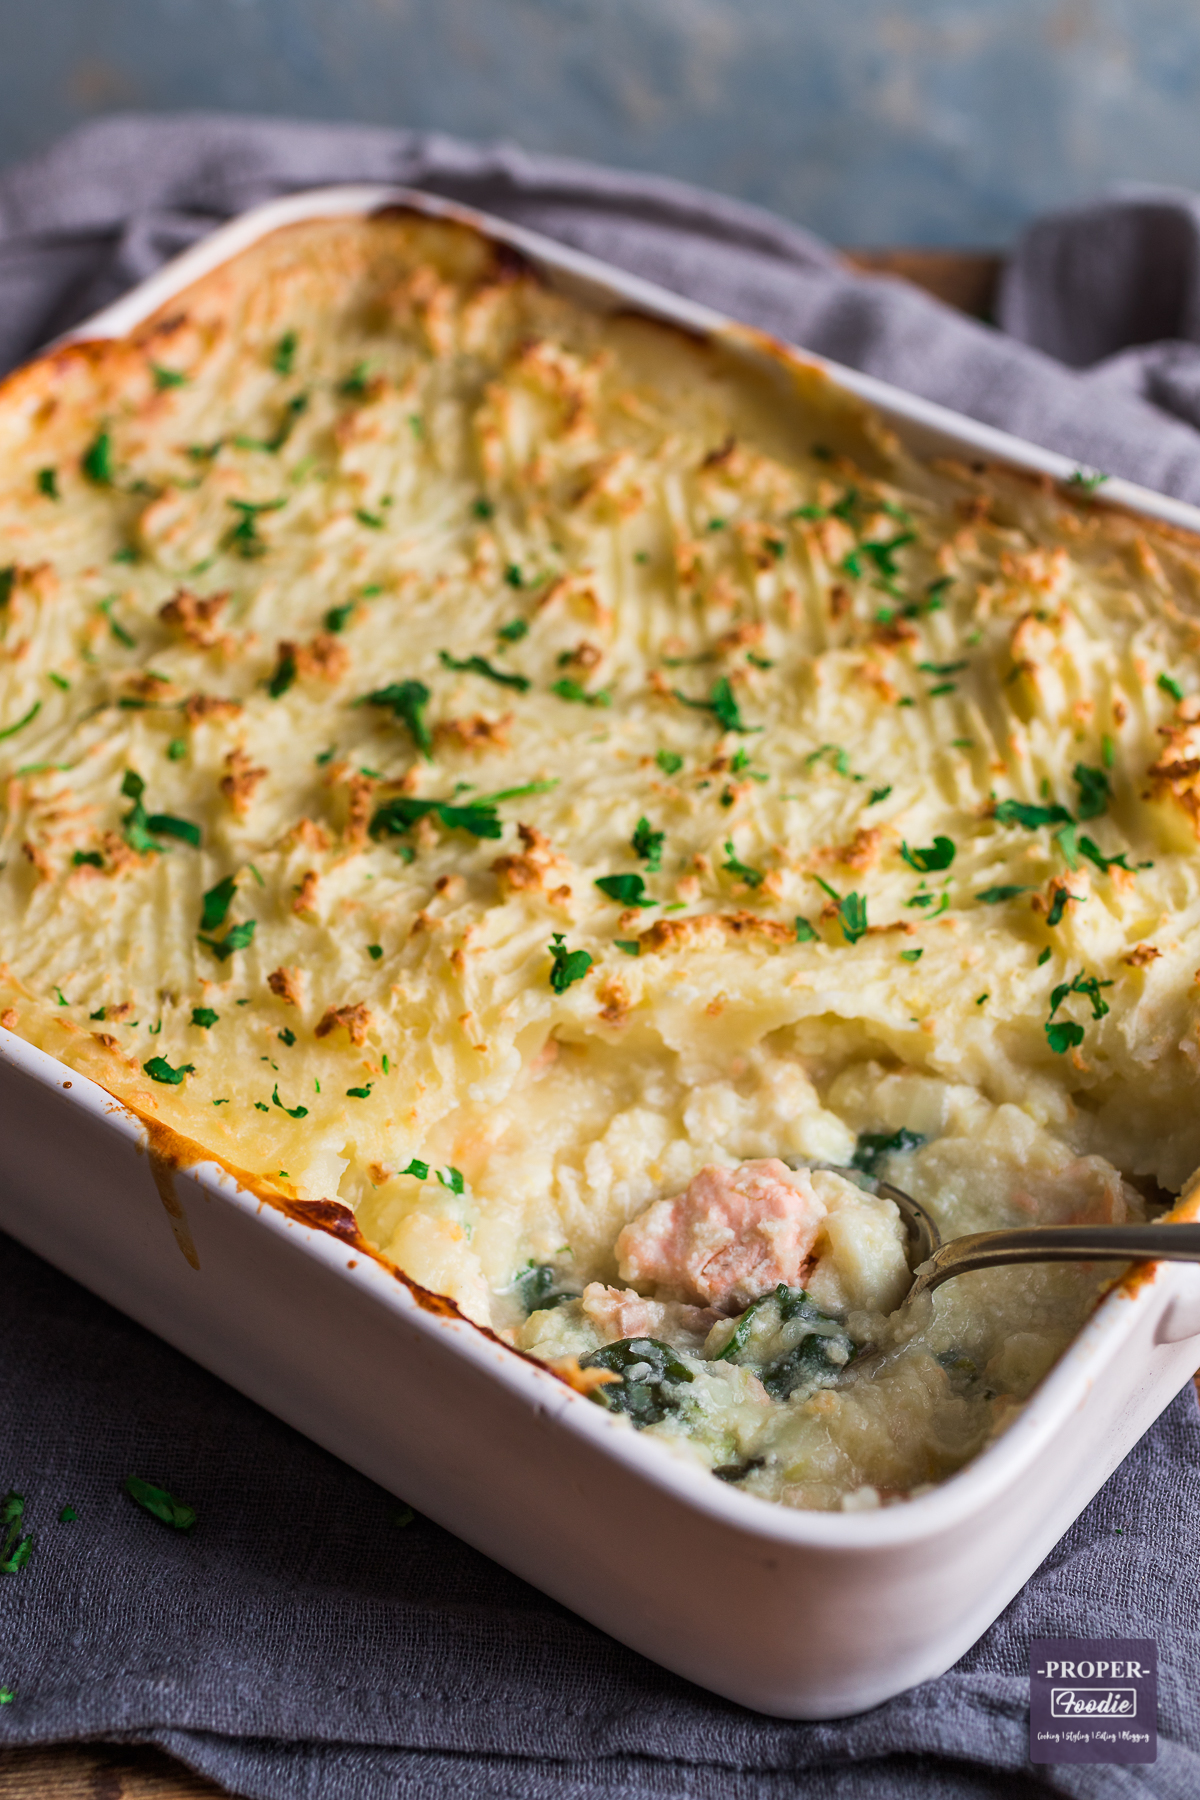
x=835, y=1611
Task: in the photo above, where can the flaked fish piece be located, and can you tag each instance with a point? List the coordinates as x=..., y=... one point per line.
x=621, y=1313
x=731, y=1237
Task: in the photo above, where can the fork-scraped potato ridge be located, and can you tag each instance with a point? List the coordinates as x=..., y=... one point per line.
x=408, y=599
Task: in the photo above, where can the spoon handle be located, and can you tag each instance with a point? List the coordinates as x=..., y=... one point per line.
x=1058, y=1243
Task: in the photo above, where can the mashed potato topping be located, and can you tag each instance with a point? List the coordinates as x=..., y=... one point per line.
x=553, y=785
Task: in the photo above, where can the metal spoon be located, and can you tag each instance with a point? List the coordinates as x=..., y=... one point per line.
x=933, y=1262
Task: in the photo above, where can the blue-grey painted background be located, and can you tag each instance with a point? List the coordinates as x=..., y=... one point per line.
x=872, y=121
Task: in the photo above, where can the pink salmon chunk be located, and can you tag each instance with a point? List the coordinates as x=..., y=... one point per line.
x=732, y=1237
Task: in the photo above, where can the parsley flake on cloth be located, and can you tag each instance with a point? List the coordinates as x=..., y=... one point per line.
x=160, y=1503
x=15, y=1550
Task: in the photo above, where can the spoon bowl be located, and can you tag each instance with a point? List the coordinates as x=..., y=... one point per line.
x=933, y=1261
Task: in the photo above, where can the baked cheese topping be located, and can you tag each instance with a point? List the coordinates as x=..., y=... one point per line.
x=484, y=761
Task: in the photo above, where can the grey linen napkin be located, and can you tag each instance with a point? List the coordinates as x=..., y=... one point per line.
x=299, y=1643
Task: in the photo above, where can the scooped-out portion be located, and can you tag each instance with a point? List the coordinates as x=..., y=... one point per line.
x=744, y=1311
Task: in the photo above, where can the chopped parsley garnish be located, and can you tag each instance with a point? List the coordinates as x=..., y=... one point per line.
x=1087, y=479
x=284, y=355
x=286, y=1036
x=204, y=1016
x=27, y=719
x=873, y=1146
x=96, y=461
x=566, y=689
x=374, y=521
x=626, y=890
x=648, y=844
x=338, y=617
x=451, y=1178
x=235, y=939
x=283, y=431
x=114, y=625
x=732, y=866
x=401, y=813
x=407, y=700
x=159, y=1069
x=418, y=1168
x=92, y=858
x=669, y=761
x=293, y=1112
x=722, y=703
x=355, y=384
x=284, y=675
x=841, y=761
x=993, y=896
x=217, y=902
x=358, y=1093
x=164, y=1506
x=950, y=668
x=1095, y=791
x=1104, y=863
x=177, y=749
x=483, y=509
x=374, y=951
x=1021, y=812
x=68, y=1516
x=142, y=828
x=1058, y=905
x=514, y=631
x=852, y=911
x=883, y=554
x=1087, y=985
x=1044, y=957
x=47, y=483
x=980, y=998
x=568, y=966
x=513, y=576
x=938, y=855
x=878, y=794
x=167, y=825
x=911, y=956
x=243, y=537
x=479, y=665
x=1169, y=685
x=630, y=946
x=168, y=378
x=805, y=933
x=1063, y=1035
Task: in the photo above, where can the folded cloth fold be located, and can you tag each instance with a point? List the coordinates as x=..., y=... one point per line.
x=302, y=1642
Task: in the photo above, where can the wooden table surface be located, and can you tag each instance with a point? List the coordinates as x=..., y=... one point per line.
x=967, y=280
